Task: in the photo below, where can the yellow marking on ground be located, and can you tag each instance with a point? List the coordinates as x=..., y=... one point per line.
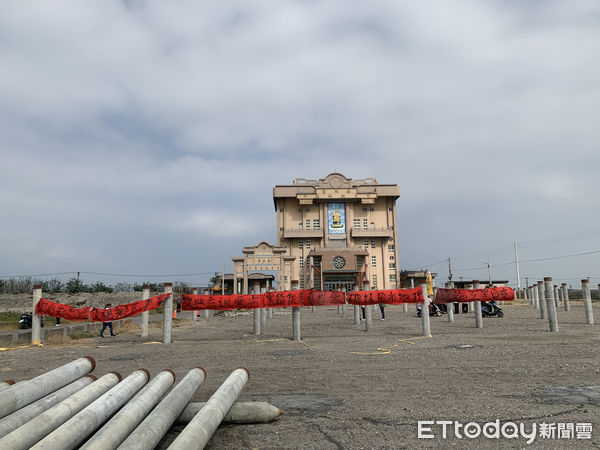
x=5, y=349
x=388, y=350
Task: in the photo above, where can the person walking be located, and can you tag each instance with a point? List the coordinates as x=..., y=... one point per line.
x=107, y=324
x=382, y=308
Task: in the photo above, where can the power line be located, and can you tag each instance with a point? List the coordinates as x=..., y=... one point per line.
x=37, y=275
x=561, y=239
x=149, y=276
x=108, y=274
x=559, y=257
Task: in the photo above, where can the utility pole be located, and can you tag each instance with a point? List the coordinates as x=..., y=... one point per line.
x=223, y=281
x=518, y=274
x=490, y=272
x=526, y=282
x=449, y=270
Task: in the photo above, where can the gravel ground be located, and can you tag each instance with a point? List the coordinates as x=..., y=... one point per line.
x=340, y=392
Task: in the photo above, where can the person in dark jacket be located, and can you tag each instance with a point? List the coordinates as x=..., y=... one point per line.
x=107, y=324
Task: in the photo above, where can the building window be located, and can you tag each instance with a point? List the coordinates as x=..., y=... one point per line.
x=374, y=261
x=280, y=228
x=365, y=223
x=364, y=209
x=308, y=243
x=299, y=209
x=307, y=224
x=374, y=281
x=392, y=277
x=392, y=266
x=300, y=243
x=371, y=209
x=392, y=258
x=372, y=225
x=390, y=209
x=307, y=210
x=372, y=243
x=299, y=225
x=281, y=209
x=366, y=244
x=316, y=224
x=301, y=261
x=301, y=281
x=356, y=223
x=391, y=248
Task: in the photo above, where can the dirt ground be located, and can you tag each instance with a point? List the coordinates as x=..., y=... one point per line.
x=340, y=392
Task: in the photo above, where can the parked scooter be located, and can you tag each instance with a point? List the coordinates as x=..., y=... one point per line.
x=434, y=310
x=26, y=320
x=490, y=309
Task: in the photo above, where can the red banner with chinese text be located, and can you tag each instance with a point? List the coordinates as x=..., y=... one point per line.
x=127, y=310
x=191, y=302
x=281, y=299
x=46, y=307
x=388, y=297
x=501, y=294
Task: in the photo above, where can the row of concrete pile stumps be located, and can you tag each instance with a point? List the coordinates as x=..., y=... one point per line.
x=69, y=408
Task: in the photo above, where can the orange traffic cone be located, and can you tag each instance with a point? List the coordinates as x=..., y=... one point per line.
x=175, y=314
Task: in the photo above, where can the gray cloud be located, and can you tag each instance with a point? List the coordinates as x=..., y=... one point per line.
x=115, y=113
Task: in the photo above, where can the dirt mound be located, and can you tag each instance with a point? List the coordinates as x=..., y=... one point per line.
x=22, y=302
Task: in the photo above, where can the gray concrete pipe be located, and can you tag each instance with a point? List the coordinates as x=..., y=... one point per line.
x=168, y=315
x=296, y=323
x=450, y=306
x=477, y=306
x=587, y=302
x=199, y=431
x=240, y=413
x=22, y=394
x=256, y=322
x=116, y=430
x=549, y=293
x=29, y=412
x=565, y=292
x=145, y=314
x=5, y=384
x=74, y=431
x=425, y=312
x=157, y=423
x=33, y=431
x=541, y=299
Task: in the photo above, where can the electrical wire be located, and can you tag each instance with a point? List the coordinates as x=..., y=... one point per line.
x=107, y=274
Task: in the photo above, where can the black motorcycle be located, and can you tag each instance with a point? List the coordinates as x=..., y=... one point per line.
x=26, y=320
x=490, y=309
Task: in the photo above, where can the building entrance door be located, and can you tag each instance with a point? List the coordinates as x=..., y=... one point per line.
x=339, y=286
x=339, y=281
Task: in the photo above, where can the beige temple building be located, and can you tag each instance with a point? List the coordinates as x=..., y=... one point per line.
x=332, y=233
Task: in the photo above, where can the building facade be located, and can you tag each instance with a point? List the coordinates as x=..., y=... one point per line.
x=338, y=233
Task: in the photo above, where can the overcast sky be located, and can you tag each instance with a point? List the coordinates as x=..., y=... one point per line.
x=145, y=137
